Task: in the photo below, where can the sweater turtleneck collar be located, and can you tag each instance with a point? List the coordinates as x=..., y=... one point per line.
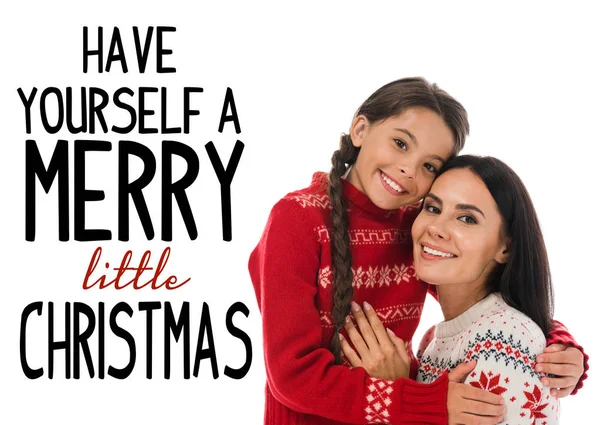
x=355, y=197
x=361, y=200
x=474, y=313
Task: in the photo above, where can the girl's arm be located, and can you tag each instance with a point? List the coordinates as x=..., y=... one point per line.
x=302, y=375
x=564, y=358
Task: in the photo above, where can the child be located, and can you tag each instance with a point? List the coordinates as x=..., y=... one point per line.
x=344, y=239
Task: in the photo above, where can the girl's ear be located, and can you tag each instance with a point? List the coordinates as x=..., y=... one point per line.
x=358, y=130
x=503, y=253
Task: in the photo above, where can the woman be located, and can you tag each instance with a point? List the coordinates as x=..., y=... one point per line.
x=478, y=240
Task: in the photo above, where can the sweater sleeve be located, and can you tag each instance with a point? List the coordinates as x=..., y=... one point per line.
x=301, y=374
x=560, y=335
x=505, y=366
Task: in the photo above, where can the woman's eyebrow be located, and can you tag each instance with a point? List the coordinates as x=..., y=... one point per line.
x=435, y=198
x=458, y=206
x=469, y=207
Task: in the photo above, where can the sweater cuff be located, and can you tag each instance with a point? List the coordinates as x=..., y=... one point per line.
x=567, y=339
x=425, y=403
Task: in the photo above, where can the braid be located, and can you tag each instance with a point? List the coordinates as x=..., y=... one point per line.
x=388, y=101
x=341, y=259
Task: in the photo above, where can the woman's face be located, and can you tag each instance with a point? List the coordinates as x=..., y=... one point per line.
x=399, y=156
x=458, y=237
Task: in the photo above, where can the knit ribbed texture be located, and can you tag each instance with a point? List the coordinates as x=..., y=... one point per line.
x=560, y=335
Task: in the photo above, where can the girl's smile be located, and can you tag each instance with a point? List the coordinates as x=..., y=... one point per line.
x=399, y=156
x=391, y=184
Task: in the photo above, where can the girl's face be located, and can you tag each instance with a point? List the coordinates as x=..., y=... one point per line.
x=399, y=156
x=458, y=237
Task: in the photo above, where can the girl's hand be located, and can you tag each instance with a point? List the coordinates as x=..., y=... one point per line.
x=380, y=352
x=566, y=363
x=469, y=405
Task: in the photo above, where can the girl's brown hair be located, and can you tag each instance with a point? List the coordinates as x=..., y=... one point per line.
x=388, y=101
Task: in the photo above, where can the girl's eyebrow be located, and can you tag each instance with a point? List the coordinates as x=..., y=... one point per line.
x=439, y=158
x=414, y=139
x=458, y=206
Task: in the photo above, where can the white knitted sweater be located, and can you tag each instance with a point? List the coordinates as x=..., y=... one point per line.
x=505, y=344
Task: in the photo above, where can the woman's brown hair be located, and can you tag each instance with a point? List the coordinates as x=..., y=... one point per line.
x=524, y=281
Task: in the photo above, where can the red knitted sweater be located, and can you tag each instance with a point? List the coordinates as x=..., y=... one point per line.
x=291, y=273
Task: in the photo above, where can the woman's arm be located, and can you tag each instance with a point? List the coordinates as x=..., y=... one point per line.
x=301, y=374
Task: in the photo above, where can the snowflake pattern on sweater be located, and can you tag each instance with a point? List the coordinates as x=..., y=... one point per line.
x=505, y=344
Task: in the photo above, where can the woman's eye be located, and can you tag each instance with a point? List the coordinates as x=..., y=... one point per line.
x=430, y=168
x=432, y=209
x=401, y=144
x=468, y=219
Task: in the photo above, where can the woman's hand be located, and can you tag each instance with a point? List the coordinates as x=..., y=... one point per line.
x=565, y=363
x=469, y=405
x=380, y=352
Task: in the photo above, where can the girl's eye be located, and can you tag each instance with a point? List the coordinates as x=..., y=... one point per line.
x=430, y=168
x=432, y=209
x=468, y=219
x=401, y=144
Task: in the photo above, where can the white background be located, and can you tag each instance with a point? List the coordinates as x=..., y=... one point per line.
x=526, y=73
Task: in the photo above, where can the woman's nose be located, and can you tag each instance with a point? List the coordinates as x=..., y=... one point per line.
x=437, y=230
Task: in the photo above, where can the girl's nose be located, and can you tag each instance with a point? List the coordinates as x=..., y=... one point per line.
x=407, y=169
